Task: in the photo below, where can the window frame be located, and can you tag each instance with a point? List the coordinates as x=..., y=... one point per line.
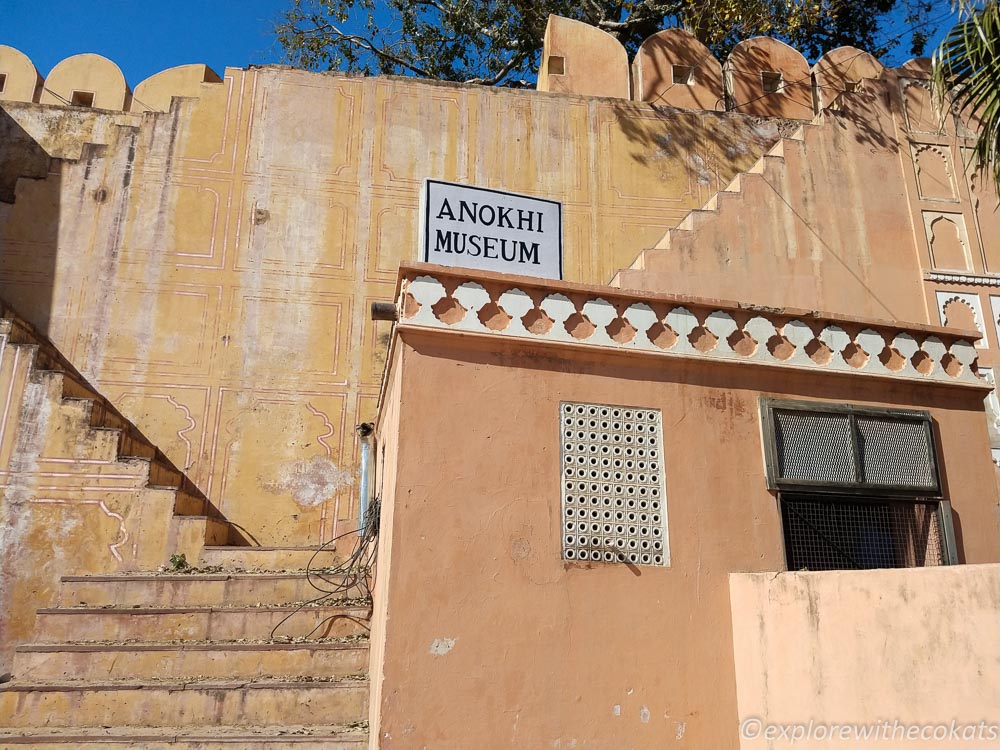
x=859, y=488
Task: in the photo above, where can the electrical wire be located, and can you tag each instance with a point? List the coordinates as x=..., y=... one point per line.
x=354, y=574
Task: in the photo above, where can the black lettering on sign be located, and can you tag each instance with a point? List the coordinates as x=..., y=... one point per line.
x=464, y=211
x=446, y=210
x=529, y=254
x=443, y=243
x=489, y=243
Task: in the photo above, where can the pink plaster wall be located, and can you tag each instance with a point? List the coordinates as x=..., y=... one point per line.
x=911, y=648
x=491, y=640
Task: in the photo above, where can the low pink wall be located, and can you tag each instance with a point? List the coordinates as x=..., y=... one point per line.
x=868, y=660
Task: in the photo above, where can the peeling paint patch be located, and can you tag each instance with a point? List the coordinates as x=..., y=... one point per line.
x=442, y=646
x=700, y=169
x=736, y=150
x=617, y=709
x=681, y=728
x=644, y=714
x=311, y=482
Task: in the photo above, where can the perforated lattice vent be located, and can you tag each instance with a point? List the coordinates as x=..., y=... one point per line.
x=613, y=492
x=895, y=453
x=815, y=447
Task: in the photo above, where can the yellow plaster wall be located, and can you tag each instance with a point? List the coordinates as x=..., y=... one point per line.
x=211, y=269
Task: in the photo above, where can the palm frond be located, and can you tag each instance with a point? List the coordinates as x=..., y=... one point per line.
x=967, y=72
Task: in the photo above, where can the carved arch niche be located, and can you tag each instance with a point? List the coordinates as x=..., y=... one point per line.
x=963, y=311
x=947, y=241
x=918, y=107
x=986, y=209
x=935, y=171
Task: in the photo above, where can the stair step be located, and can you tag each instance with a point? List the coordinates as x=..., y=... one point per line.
x=275, y=558
x=63, y=624
x=179, y=660
x=672, y=238
x=166, y=703
x=695, y=218
x=189, y=533
x=194, y=738
x=198, y=589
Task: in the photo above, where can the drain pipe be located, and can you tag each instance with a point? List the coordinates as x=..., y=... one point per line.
x=365, y=432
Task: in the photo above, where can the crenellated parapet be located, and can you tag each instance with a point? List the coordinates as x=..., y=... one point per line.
x=20, y=80
x=761, y=76
x=673, y=67
x=95, y=82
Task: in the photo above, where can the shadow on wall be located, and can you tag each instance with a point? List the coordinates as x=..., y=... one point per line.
x=712, y=147
x=30, y=193
x=711, y=150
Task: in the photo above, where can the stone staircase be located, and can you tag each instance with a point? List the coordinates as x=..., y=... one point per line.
x=656, y=268
x=125, y=649
x=225, y=656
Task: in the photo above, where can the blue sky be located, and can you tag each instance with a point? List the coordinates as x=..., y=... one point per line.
x=143, y=36
x=146, y=36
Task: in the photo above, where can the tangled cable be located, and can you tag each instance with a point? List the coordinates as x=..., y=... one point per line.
x=353, y=574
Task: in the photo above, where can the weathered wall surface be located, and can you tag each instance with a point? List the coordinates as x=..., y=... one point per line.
x=72, y=469
x=920, y=647
x=618, y=656
x=824, y=222
x=210, y=269
x=868, y=210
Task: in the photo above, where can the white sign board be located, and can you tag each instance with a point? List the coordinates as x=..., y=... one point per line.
x=491, y=230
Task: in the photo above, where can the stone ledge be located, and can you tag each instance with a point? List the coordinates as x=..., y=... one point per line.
x=562, y=313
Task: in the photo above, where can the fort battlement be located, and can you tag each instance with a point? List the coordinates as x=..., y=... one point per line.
x=761, y=76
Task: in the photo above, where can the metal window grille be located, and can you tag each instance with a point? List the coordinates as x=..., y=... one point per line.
x=895, y=452
x=849, y=449
x=613, y=494
x=828, y=533
x=814, y=447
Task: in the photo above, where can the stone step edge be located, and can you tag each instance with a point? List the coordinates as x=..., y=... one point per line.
x=251, y=548
x=235, y=575
x=143, y=610
x=174, y=734
x=284, y=683
x=53, y=648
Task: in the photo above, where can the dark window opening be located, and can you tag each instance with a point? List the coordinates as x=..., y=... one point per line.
x=852, y=86
x=3, y=82
x=771, y=81
x=824, y=532
x=557, y=66
x=682, y=74
x=82, y=99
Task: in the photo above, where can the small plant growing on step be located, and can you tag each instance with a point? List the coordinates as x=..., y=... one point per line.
x=178, y=561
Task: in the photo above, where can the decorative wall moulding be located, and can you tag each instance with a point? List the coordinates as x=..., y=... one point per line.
x=947, y=240
x=935, y=171
x=963, y=305
x=942, y=277
x=568, y=314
